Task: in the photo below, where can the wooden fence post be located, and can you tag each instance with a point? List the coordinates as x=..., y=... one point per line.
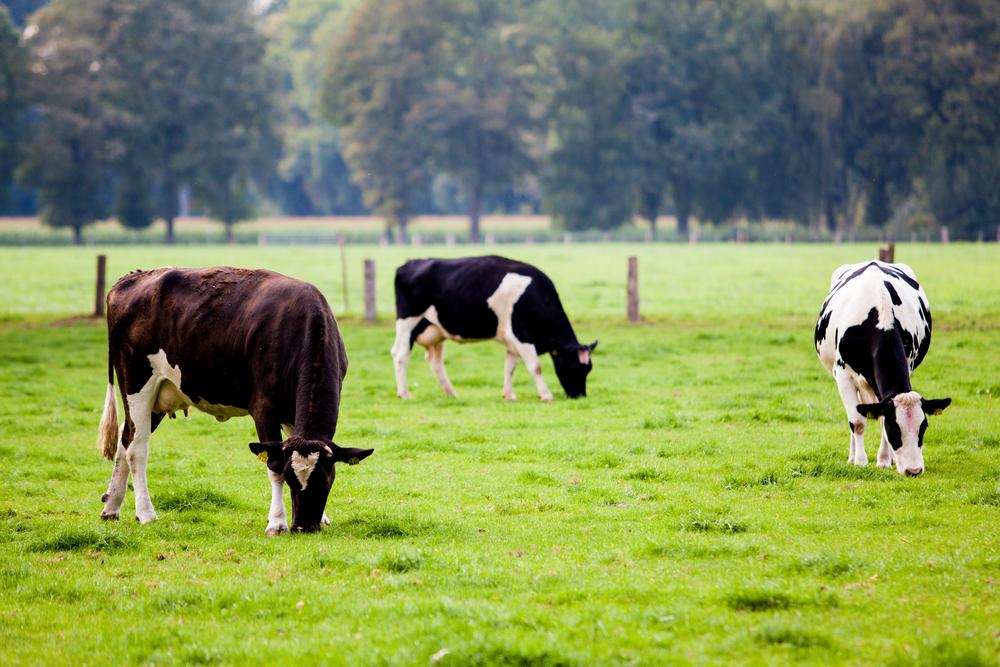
x=944, y=235
x=633, y=289
x=102, y=265
x=343, y=270
x=370, y=290
x=887, y=254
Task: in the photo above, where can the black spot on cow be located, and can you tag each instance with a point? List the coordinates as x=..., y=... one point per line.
x=896, y=301
x=824, y=322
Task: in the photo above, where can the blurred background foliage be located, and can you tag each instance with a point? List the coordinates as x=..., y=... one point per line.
x=831, y=115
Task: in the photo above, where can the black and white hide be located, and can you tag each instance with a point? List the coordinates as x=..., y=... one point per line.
x=874, y=329
x=486, y=298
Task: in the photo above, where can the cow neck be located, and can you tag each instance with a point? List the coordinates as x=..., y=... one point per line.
x=892, y=372
x=318, y=378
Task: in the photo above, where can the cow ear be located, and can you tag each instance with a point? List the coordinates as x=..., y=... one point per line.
x=872, y=410
x=934, y=406
x=350, y=455
x=268, y=452
x=583, y=352
x=592, y=345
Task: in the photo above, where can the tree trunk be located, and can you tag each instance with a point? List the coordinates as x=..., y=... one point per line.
x=475, y=211
x=401, y=222
x=168, y=207
x=229, y=232
x=682, y=203
x=169, y=238
x=830, y=213
x=651, y=209
x=77, y=234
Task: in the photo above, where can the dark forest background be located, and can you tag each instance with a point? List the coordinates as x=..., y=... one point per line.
x=834, y=115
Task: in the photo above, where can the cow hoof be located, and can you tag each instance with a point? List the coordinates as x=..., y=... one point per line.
x=274, y=531
x=146, y=519
x=325, y=521
x=109, y=516
x=884, y=464
x=405, y=395
x=104, y=498
x=510, y=397
x=546, y=397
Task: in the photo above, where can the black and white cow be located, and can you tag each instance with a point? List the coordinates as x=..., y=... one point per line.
x=873, y=330
x=229, y=342
x=486, y=298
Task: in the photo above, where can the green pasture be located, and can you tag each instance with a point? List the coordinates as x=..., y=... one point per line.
x=695, y=509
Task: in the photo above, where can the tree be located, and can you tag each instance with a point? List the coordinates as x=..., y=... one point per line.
x=67, y=154
x=699, y=101
x=12, y=77
x=478, y=111
x=312, y=177
x=192, y=102
x=378, y=73
x=942, y=62
x=588, y=175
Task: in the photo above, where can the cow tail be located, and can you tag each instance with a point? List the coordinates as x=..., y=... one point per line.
x=107, y=432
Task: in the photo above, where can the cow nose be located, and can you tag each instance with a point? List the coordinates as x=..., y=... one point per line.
x=913, y=472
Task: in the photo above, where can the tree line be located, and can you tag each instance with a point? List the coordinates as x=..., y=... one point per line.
x=829, y=114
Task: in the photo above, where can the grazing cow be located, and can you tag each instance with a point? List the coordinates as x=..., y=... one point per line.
x=873, y=330
x=483, y=298
x=229, y=342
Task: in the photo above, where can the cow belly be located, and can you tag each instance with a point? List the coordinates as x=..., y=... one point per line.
x=220, y=412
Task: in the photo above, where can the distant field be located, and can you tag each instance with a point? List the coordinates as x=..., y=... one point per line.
x=694, y=509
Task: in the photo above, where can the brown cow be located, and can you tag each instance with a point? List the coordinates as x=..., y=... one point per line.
x=229, y=342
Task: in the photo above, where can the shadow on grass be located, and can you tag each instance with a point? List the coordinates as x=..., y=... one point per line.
x=786, y=635
x=944, y=652
x=504, y=656
x=85, y=539
x=828, y=465
x=191, y=498
x=718, y=522
x=383, y=526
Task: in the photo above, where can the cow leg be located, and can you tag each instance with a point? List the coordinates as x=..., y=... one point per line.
x=849, y=396
x=534, y=366
x=509, y=364
x=137, y=453
x=119, y=483
x=269, y=430
x=884, y=458
x=401, y=351
x=435, y=357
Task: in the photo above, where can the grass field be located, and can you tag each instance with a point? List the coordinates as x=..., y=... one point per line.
x=694, y=509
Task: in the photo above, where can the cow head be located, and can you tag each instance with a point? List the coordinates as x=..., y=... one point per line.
x=307, y=466
x=904, y=420
x=572, y=365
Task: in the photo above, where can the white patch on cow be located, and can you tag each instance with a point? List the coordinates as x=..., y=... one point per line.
x=401, y=352
x=276, y=522
x=502, y=302
x=909, y=417
x=303, y=466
